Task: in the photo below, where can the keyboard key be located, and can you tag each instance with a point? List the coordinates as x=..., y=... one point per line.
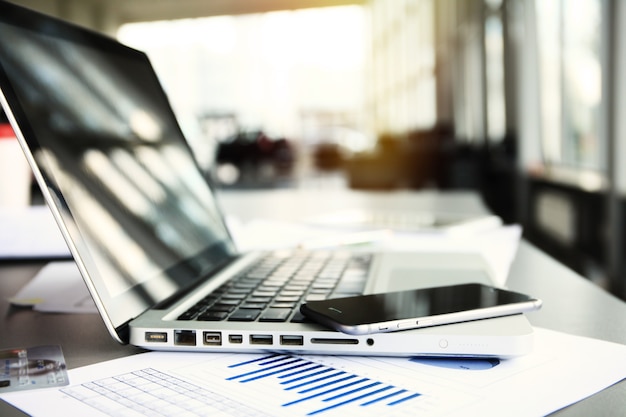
x=282, y=280
x=284, y=305
x=222, y=307
x=260, y=293
x=213, y=316
x=276, y=314
x=295, y=287
x=316, y=297
x=281, y=299
x=258, y=299
x=258, y=306
x=188, y=315
x=244, y=314
x=325, y=285
x=245, y=285
x=269, y=287
x=321, y=290
x=233, y=296
x=286, y=293
x=228, y=302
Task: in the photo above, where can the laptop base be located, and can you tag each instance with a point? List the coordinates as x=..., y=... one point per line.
x=501, y=337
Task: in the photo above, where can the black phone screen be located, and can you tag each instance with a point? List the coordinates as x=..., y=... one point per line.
x=376, y=308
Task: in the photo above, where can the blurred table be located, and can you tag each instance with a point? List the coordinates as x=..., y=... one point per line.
x=572, y=304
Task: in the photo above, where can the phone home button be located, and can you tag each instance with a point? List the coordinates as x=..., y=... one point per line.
x=443, y=343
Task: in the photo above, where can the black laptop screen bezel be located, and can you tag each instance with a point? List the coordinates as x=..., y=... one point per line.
x=119, y=309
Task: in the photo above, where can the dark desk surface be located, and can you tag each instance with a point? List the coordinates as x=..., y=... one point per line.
x=571, y=304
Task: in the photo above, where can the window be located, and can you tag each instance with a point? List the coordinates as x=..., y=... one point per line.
x=402, y=96
x=570, y=42
x=494, y=69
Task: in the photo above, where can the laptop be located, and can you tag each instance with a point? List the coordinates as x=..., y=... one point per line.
x=145, y=230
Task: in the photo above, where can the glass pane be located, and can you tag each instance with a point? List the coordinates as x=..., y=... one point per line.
x=549, y=38
x=570, y=39
x=494, y=50
x=582, y=77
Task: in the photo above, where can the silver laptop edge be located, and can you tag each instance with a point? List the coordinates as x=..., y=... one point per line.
x=71, y=128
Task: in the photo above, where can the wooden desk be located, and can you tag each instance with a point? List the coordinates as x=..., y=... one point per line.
x=571, y=303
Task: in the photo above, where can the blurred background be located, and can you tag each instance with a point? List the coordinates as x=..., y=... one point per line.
x=520, y=100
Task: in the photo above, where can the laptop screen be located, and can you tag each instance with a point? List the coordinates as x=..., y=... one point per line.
x=111, y=160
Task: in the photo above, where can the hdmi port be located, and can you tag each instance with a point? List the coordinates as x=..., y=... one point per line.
x=261, y=339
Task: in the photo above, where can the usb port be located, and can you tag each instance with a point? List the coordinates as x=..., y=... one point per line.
x=185, y=337
x=261, y=339
x=236, y=339
x=213, y=338
x=292, y=340
x=160, y=337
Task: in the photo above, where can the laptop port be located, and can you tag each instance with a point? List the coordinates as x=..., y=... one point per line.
x=159, y=337
x=185, y=337
x=328, y=341
x=261, y=339
x=236, y=339
x=292, y=340
x=212, y=338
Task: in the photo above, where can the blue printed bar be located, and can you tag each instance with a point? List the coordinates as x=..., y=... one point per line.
x=235, y=365
x=336, y=397
x=327, y=384
x=262, y=370
x=280, y=371
x=352, y=400
x=386, y=397
x=291, y=381
x=328, y=387
x=330, y=391
x=301, y=371
x=272, y=360
x=401, y=400
x=323, y=378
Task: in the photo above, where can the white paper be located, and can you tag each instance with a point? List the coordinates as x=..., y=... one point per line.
x=562, y=370
x=30, y=232
x=57, y=288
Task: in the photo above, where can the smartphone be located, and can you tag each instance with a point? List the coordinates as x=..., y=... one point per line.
x=404, y=310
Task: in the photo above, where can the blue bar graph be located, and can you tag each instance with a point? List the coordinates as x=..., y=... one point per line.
x=321, y=387
x=314, y=380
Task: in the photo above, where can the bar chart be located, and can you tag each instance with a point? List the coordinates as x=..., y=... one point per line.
x=279, y=385
x=320, y=388
x=268, y=385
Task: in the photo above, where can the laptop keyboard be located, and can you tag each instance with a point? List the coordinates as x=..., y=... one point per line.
x=273, y=289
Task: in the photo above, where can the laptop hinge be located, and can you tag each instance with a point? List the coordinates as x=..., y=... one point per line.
x=123, y=332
